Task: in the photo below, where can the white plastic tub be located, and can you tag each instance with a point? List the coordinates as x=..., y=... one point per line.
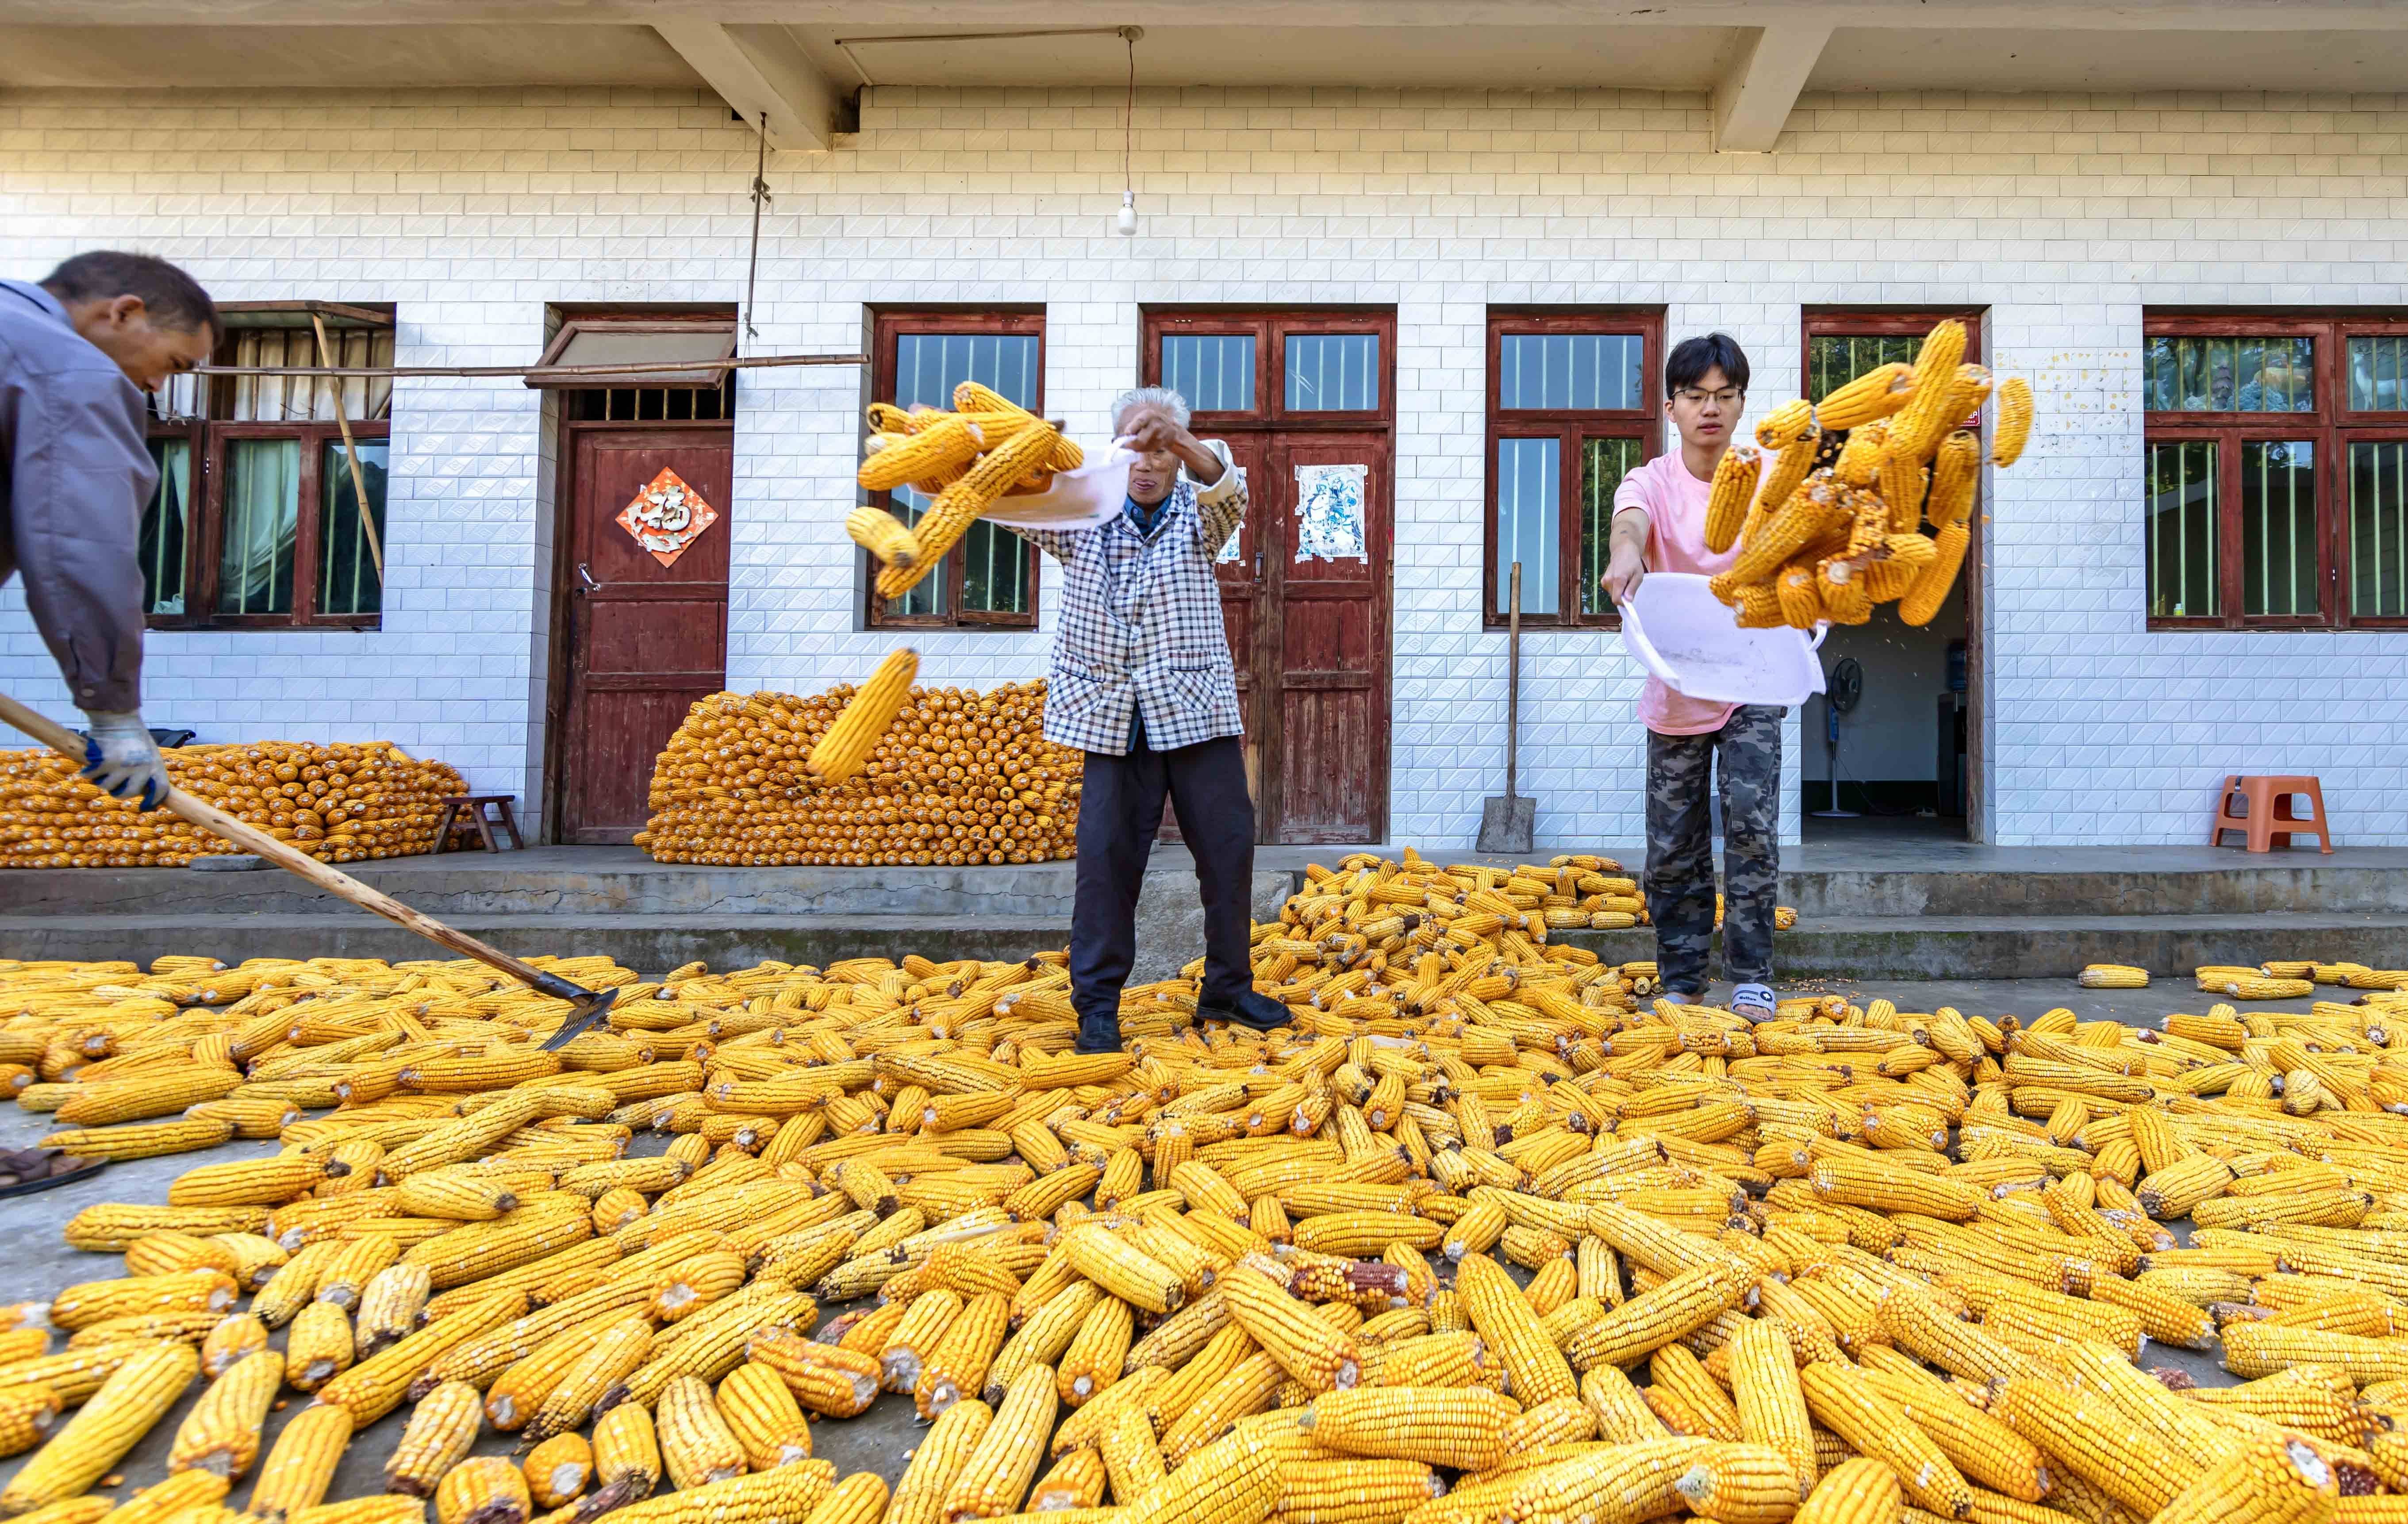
x=1681, y=632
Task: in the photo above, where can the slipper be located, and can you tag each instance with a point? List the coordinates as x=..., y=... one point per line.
x=62, y=1174
x=1754, y=1003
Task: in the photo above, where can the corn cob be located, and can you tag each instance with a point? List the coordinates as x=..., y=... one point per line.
x=133, y=1398
x=626, y=1452
x=1076, y=1481
x=859, y=1499
x=1536, y=1371
x=165, y=1254
x=392, y=1305
x=611, y=1354
x=380, y=1508
x=1857, y=1491
x=319, y=1347
x=1954, y=476
x=1093, y=1360
x=1001, y=1465
x=442, y=1428
x=1121, y=1270
x=2093, y=1441
x=883, y=535
x=763, y=1415
x=141, y=1140
x=1733, y=489
x=697, y=1444
x=1843, y=1401
x=826, y=1379
x=1305, y=1346
x=1877, y=394
x=1931, y=584
x=841, y=751
x=93, y=1302
x=1771, y=1401
x=484, y=1490
x=1464, y=1428
x=27, y=1416
x=300, y=1466
x=957, y=1365
x=2015, y=422
x=558, y=1470
x=221, y=1432
x=945, y=445
x=232, y=1338
x=190, y=1489
x=1917, y=428
x=939, y=1462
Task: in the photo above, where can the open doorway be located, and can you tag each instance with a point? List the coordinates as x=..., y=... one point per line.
x=1885, y=750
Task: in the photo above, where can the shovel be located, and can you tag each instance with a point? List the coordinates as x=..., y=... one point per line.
x=586, y=1006
x=1506, y=825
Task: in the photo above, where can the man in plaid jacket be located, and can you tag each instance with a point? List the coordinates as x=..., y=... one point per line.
x=1141, y=682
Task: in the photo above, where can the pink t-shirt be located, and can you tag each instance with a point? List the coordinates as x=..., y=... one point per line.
x=1674, y=502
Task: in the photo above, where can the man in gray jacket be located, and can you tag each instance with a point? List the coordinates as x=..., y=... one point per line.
x=76, y=352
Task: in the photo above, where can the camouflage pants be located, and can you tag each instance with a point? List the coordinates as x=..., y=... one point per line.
x=1680, y=847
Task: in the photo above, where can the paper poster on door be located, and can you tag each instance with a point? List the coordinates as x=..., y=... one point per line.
x=1329, y=512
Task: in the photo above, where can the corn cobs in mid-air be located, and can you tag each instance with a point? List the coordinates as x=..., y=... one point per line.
x=965, y=459
x=1865, y=498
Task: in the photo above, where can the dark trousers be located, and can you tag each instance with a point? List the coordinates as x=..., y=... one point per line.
x=1746, y=754
x=1120, y=812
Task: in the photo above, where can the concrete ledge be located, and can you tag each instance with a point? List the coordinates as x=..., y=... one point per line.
x=1170, y=933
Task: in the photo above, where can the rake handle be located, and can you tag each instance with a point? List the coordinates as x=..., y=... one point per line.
x=59, y=739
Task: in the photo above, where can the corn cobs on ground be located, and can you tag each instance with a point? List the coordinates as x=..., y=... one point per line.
x=340, y=804
x=1884, y=518
x=957, y=777
x=1851, y=1261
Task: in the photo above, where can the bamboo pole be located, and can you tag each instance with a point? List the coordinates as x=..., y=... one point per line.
x=350, y=453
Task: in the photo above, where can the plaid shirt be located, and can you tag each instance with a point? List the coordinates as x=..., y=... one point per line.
x=1141, y=629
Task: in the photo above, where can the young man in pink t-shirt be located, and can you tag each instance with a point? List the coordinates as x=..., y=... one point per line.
x=1660, y=523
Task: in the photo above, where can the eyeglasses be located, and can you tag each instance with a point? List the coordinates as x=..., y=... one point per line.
x=1728, y=398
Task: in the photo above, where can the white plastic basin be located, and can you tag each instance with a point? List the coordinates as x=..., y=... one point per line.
x=1681, y=632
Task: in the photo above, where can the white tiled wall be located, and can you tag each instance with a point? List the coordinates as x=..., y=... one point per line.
x=2063, y=215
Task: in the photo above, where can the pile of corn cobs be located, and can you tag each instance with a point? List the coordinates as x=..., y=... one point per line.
x=1852, y=1264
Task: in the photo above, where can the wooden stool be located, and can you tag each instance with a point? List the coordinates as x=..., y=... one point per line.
x=2266, y=799
x=476, y=820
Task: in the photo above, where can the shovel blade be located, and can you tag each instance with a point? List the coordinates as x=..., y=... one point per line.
x=1508, y=824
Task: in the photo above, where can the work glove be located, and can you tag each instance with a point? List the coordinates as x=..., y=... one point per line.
x=120, y=755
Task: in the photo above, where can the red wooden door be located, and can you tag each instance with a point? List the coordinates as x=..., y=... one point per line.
x=643, y=640
x=1311, y=639
x=1327, y=720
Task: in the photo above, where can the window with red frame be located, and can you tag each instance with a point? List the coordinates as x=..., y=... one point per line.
x=2275, y=464
x=1571, y=410
x=256, y=524
x=988, y=580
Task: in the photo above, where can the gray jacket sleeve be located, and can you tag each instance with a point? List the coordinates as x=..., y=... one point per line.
x=79, y=478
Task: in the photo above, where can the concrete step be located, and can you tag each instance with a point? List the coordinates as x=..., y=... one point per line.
x=1170, y=932
x=1821, y=883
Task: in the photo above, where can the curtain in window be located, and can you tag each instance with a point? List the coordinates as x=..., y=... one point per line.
x=283, y=399
x=348, y=583
x=162, y=545
x=262, y=515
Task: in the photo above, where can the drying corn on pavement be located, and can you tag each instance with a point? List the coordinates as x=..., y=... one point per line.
x=1488, y=1217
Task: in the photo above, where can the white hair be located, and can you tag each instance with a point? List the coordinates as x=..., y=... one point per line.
x=1160, y=397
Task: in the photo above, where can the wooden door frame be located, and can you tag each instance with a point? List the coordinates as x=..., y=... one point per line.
x=564, y=508
x=1830, y=319
x=1270, y=419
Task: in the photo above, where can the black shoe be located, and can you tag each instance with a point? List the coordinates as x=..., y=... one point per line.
x=1097, y=1037
x=1254, y=1009
x=1081, y=1047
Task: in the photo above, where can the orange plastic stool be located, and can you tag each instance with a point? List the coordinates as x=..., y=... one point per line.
x=2267, y=801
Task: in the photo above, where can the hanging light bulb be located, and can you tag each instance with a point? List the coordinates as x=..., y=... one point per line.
x=1125, y=220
